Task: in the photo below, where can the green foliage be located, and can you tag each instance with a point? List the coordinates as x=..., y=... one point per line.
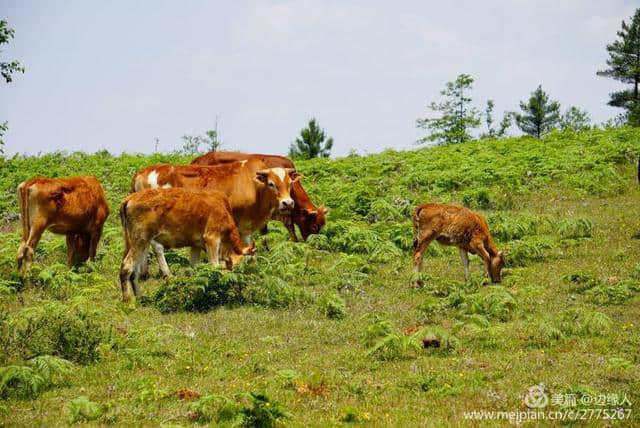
x=251, y=410
x=311, y=143
x=609, y=294
x=574, y=228
x=581, y=281
x=624, y=56
x=394, y=346
x=8, y=68
x=581, y=322
x=493, y=302
x=84, y=410
x=457, y=116
x=333, y=306
x=575, y=119
x=539, y=115
x=526, y=251
x=207, y=288
x=29, y=380
x=71, y=333
x=506, y=228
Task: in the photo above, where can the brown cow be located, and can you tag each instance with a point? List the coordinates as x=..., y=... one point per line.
x=75, y=207
x=459, y=226
x=305, y=214
x=254, y=192
x=177, y=218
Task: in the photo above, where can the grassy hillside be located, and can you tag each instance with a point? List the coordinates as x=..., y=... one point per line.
x=329, y=332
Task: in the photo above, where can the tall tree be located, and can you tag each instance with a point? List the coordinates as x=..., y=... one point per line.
x=575, y=119
x=457, y=116
x=6, y=70
x=504, y=124
x=624, y=66
x=311, y=143
x=539, y=115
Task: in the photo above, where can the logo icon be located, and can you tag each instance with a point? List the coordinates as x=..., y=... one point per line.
x=536, y=398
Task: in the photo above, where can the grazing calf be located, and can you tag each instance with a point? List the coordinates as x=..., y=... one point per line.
x=459, y=226
x=305, y=214
x=177, y=218
x=254, y=192
x=75, y=207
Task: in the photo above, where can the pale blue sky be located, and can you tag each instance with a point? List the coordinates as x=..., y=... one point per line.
x=115, y=74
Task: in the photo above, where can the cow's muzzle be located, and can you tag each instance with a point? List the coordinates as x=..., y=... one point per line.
x=286, y=205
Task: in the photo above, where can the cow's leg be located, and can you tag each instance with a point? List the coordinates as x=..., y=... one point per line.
x=465, y=262
x=26, y=257
x=420, y=246
x=291, y=227
x=477, y=245
x=212, y=245
x=128, y=274
x=195, y=255
x=94, y=239
x=71, y=249
x=162, y=262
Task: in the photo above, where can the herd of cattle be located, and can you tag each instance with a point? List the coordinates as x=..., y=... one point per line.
x=216, y=203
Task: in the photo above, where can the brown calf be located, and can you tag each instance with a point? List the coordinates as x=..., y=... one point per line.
x=305, y=214
x=177, y=218
x=75, y=207
x=254, y=192
x=459, y=226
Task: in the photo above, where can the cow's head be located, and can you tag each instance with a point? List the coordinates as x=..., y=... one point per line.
x=278, y=181
x=495, y=267
x=311, y=221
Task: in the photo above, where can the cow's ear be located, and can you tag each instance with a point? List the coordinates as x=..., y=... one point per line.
x=294, y=175
x=312, y=214
x=262, y=176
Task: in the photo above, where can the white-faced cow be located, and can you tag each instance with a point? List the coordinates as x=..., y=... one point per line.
x=305, y=214
x=254, y=192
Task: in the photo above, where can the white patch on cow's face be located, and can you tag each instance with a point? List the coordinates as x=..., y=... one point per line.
x=280, y=172
x=152, y=179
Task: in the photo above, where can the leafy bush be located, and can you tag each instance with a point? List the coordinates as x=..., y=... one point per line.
x=53, y=329
x=494, y=302
x=251, y=410
x=581, y=281
x=506, y=228
x=29, y=380
x=609, y=294
x=394, y=346
x=575, y=228
x=580, y=322
x=525, y=252
x=84, y=410
x=333, y=306
x=207, y=288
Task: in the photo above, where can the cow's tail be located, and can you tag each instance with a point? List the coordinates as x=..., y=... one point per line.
x=415, y=219
x=23, y=197
x=123, y=222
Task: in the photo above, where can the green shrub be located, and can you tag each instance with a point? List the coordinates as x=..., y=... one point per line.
x=494, y=302
x=333, y=306
x=609, y=294
x=394, y=346
x=506, y=228
x=84, y=410
x=251, y=410
x=581, y=281
x=575, y=228
x=54, y=329
x=207, y=288
x=29, y=380
x=525, y=252
x=477, y=199
x=580, y=322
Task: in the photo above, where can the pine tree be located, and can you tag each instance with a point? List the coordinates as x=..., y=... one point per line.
x=575, y=119
x=311, y=143
x=539, y=115
x=624, y=66
x=504, y=124
x=457, y=118
x=6, y=70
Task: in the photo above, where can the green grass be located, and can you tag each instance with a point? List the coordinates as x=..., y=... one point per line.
x=329, y=332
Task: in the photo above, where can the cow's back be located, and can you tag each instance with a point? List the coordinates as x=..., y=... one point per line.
x=218, y=158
